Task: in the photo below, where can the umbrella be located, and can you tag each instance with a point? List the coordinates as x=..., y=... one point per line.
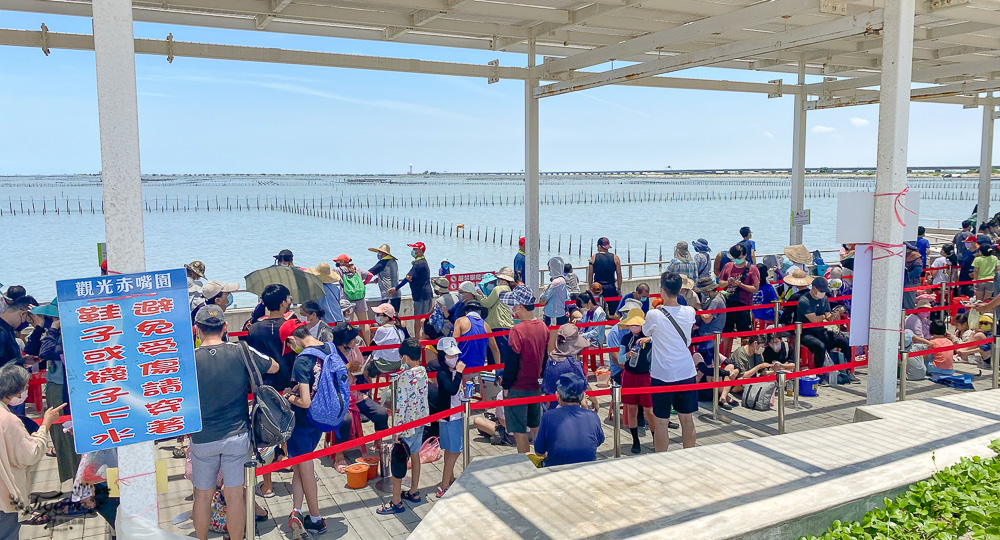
x=303, y=286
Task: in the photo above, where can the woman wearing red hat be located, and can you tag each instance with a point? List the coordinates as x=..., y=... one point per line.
x=519, y=261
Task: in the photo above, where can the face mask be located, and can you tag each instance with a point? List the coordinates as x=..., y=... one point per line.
x=229, y=300
x=759, y=349
x=303, y=318
x=19, y=400
x=488, y=288
x=413, y=253
x=296, y=349
x=451, y=361
x=776, y=347
x=739, y=261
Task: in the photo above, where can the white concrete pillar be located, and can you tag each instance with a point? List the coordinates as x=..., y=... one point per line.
x=890, y=178
x=118, y=117
x=798, y=184
x=531, y=204
x=986, y=162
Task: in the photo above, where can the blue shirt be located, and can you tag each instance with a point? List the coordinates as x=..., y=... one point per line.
x=765, y=296
x=923, y=245
x=569, y=434
x=555, y=369
x=555, y=298
x=615, y=336
x=519, y=266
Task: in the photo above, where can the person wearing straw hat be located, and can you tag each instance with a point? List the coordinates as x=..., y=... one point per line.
x=634, y=348
x=329, y=302
x=920, y=323
x=682, y=262
x=796, y=256
x=387, y=271
x=564, y=357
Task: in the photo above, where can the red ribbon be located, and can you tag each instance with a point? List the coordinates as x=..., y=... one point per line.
x=896, y=205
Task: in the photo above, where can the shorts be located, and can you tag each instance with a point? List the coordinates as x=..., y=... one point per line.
x=556, y=321
x=227, y=455
x=450, y=435
x=738, y=321
x=521, y=418
x=684, y=402
x=986, y=287
x=422, y=307
x=360, y=308
x=636, y=380
x=414, y=441
x=303, y=441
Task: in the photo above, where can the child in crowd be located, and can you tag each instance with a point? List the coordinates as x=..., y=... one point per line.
x=411, y=404
x=940, y=363
x=449, y=383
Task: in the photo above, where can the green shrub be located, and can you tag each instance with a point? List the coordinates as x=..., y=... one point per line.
x=959, y=500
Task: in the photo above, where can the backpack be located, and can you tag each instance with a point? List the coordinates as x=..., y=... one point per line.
x=759, y=396
x=333, y=390
x=354, y=287
x=271, y=416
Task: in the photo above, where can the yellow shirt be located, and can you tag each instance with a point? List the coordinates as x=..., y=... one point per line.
x=987, y=266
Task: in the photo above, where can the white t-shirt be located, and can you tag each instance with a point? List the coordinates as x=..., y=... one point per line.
x=388, y=335
x=941, y=275
x=670, y=358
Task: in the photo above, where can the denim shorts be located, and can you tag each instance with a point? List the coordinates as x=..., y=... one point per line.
x=451, y=435
x=227, y=455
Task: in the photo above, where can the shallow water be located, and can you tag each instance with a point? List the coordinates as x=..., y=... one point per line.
x=44, y=248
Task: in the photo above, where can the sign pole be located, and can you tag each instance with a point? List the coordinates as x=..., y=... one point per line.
x=118, y=117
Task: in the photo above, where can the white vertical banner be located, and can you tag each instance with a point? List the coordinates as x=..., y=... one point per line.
x=861, y=294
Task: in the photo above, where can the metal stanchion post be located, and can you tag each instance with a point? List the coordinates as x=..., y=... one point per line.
x=616, y=416
x=995, y=355
x=781, y=400
x=902, y=375
x=466, y=420
x=902, y=331
x=249, y=481
x=777, y=312
x=384, y=483
x=715, y=375
x=944, y=294
x=798, y=364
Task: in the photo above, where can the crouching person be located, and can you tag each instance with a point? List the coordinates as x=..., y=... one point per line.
x=569, y=433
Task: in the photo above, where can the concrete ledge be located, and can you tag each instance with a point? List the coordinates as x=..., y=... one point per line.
x=770, y=488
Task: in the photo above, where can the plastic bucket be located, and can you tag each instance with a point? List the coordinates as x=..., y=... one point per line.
x=808, y=385
x=603, y=377
x=357, y=475
x=372, y=463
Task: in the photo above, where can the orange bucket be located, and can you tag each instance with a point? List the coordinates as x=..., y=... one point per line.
x=372, y=462
x=357, y=475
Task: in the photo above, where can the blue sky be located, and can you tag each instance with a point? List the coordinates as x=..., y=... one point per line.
x=208, y=116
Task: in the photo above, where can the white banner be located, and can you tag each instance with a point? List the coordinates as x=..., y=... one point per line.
x=861, y=294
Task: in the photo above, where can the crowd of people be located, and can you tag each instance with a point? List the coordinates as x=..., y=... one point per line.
x=294, y=344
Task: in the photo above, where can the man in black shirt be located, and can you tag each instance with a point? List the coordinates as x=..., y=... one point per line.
x=224, y=440
x=419, y=279
x=263, y=334
x=16, y=318
x=814, y=307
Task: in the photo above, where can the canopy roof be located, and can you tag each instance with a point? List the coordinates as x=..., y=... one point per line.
x=956, y=42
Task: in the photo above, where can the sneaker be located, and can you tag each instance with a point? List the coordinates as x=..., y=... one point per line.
x=315, y=527
x=297, y=526
x=636, y=448
x=673, y=425
x=499, y=436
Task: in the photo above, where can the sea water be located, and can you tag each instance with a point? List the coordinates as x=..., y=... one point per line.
x=40, y=249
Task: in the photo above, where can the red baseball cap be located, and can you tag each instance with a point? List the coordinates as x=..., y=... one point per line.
x=520, y=242
x=342, y=258
x=285, y=332
x=418, y=245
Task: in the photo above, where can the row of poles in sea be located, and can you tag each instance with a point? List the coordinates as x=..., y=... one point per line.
x=77, y=205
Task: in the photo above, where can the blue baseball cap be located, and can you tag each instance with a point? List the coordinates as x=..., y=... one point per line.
x=570, y=387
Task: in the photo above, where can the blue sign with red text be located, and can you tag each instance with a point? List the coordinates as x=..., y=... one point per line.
x=129, y=357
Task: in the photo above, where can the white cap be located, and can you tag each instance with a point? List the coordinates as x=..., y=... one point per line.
x=467, y=287
x=448, y=346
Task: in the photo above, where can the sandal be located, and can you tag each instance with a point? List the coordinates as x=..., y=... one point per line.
x=440, y=492
x=341, y=466
x=51, y=452
x=258, y=491
x=412, y=496
x=389, y=508
x=38, y=518
x=258, y=518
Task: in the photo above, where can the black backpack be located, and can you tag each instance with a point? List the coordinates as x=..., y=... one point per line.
x=271, y=416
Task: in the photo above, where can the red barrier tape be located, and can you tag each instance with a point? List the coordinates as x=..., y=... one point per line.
x=957, y=346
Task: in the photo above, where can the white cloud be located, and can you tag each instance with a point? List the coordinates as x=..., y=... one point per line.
x=823, y=129
x=768, y=134
x=859, y=122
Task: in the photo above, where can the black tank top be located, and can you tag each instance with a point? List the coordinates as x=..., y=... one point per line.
x=604, y=268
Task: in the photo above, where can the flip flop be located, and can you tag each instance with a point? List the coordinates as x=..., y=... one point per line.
x=258, y=491
x=38, y=518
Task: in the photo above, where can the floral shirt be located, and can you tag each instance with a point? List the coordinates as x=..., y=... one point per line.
x=411, y=398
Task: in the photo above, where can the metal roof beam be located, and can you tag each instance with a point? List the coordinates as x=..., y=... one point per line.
x=817, y=33
x=698, y=29
x=917, y=94
x=931, y=74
